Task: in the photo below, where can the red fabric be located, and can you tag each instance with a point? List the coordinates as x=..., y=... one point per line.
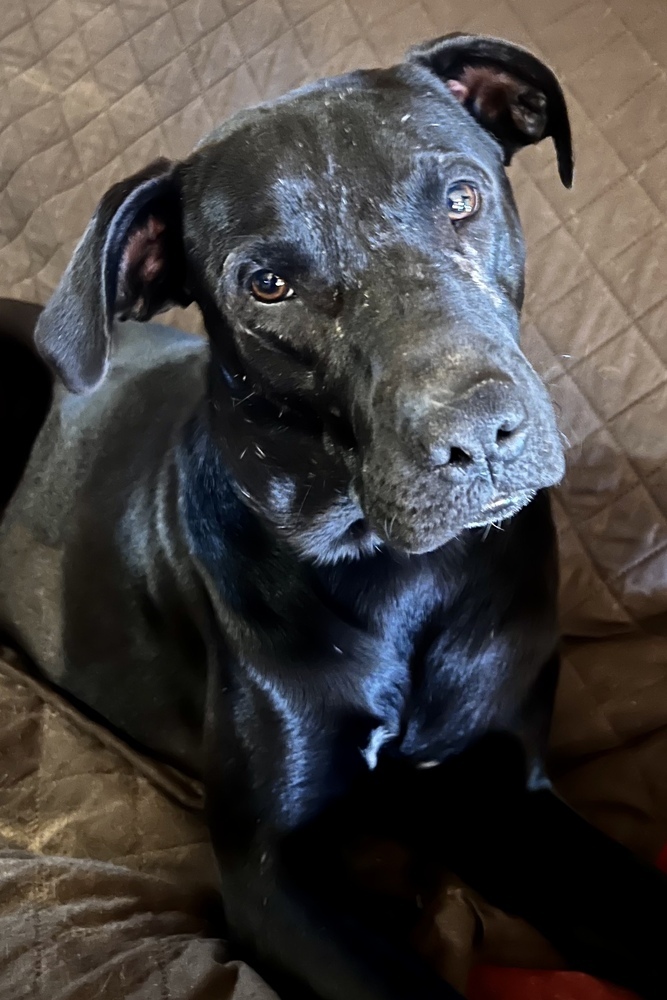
x=491, y=983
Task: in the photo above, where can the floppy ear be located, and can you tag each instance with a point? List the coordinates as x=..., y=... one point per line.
x=506, y=89
x=129, y=263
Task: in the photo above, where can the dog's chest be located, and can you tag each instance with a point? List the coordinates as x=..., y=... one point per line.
x=454, y=691
x=444, y=669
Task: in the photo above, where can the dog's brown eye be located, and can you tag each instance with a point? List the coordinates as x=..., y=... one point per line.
x=269, y=287
x=463, y=200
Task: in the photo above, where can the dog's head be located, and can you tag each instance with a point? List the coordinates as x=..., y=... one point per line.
x=358, y=258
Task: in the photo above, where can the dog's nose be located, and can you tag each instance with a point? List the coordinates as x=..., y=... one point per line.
x=487, y=423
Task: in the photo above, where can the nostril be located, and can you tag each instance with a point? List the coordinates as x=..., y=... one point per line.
x=504, y=434
x=459, y=457
x=509, y=430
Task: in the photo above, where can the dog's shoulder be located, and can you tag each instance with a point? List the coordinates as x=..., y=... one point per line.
x=156, y=376
x=151, y=351
x=83, y=510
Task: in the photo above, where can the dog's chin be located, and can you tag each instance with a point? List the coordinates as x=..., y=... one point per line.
x=357, y=541
x=344, y=533
x=339, y=534
x=413, y=539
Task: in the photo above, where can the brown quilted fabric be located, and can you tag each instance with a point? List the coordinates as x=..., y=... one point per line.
x=107, y=881
x=90, y=90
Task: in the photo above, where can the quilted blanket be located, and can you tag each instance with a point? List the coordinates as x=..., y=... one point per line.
x=108, y=885
x=106, y=882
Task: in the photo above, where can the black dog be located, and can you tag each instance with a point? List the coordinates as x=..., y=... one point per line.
x=273, y=561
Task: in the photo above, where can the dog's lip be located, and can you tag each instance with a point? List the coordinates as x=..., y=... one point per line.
x=502, y=502
x=501, y=508
x=496, y=508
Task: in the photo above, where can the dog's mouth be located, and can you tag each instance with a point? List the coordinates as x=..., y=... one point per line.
x=501, y=509
x=427, y=529
x=360, y=537
x=391, y=503
x=417, y=510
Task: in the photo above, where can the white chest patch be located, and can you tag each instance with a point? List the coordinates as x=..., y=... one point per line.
x=379, y=736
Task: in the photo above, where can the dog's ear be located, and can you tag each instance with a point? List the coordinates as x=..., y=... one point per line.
x=506, y=89
x=129, y=263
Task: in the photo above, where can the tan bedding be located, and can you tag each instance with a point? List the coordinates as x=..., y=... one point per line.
x=107, y=881
x=105, y=874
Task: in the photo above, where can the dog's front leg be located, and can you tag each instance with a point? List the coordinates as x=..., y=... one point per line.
x=602, y=907
x=307, y=950
x=266, y=778
x=529, y=853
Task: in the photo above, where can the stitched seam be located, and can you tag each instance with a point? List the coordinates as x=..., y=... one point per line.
x=602, y=578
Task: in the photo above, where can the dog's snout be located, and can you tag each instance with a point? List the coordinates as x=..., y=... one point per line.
x=487, y=423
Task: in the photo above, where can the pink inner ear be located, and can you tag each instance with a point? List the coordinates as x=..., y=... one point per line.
x=491, y=90
x=459, y=90
x=144, y=253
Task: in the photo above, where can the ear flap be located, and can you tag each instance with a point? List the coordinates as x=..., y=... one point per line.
x=507, y=89
x=129, y=263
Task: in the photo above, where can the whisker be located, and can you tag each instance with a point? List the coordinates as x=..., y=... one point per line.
x=239, y=402
x=305, y=497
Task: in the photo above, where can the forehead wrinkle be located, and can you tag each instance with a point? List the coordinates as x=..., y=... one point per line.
x=356, y=197
x=346, y=230
x=340, y=186
x=322, y=213
x=351, y=200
